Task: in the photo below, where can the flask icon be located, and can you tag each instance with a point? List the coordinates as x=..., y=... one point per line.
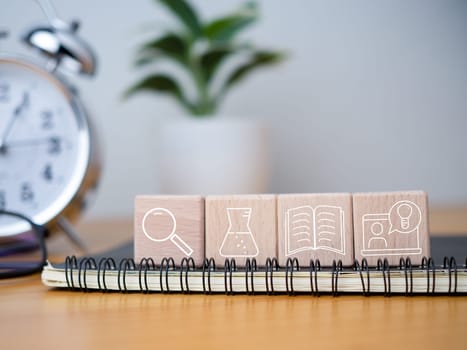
x=238, y=240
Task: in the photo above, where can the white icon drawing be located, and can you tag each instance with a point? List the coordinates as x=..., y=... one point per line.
x=404, y=219
x=162, y=236
x=405, y=211
x=238, y=240
x=320, y=228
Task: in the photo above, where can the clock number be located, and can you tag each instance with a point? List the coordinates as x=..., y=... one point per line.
x=47, y=173
x=47, y=122
x=2, y=200
x=55, y=146
x=27, y=194
x=4, y=90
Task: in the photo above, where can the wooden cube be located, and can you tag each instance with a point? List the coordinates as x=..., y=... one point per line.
x=315, y=226
x=391, y=225
x=169, y=226
x=241, y=227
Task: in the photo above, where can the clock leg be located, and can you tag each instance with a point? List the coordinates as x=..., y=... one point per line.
x=71, y=233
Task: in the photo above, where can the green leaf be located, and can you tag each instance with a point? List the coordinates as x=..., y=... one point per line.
x=225, y=28
x=144, y=59
x=185, y=13
x=211, y=60
x=160, y=83
x=170, y=45
x=258, y=60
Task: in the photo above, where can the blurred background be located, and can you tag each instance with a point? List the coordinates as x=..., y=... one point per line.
x=371, y=97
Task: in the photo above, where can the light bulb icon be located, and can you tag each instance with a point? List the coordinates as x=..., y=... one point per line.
x=405, y=212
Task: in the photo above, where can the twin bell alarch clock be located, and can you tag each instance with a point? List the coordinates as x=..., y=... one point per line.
x=49, y=161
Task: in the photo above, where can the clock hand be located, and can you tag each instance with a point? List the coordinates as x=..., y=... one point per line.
x=17, y=112
x=33, y=142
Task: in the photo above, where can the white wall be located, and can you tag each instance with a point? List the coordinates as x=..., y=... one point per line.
x=372, y=97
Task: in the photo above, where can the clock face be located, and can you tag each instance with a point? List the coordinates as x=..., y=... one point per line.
x=44, y=145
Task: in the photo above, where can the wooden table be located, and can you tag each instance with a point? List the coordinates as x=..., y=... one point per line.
x=31, y=316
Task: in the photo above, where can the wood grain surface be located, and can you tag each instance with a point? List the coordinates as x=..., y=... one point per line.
x=391, y=225
x=315, y=226
x=169, y=226
x=34, y=317
x=241, y=227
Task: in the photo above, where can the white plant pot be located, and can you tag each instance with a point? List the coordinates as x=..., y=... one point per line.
x=214, y=156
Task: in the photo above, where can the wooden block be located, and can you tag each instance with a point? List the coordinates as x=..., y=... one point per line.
x=391, y=225
x=169, y=226
x=315, y=226
x=241, y=227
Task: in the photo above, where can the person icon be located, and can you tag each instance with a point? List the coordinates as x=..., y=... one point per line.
x=376, y=230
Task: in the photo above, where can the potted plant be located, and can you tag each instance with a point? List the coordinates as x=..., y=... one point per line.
x=206, y=154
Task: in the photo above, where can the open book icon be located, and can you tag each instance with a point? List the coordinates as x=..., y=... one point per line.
x=308, y=228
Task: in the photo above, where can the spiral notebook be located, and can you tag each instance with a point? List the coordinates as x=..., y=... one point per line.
x=116, y=271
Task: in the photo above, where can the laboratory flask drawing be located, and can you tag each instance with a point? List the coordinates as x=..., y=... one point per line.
x=238, y=240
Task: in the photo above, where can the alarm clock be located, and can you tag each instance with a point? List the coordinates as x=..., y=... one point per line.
x=49, y=160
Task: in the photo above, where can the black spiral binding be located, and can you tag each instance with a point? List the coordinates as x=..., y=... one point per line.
x=429, y=264
x=315, y=266
x=250, y=269
x=187, y=265
x=450, y=264
x=383, y=265
x=290, y=266
x=104, y=265
x=406, y=266
x=81, y=267
x=336, y=269
x=125, y=265
x=145, y=265
x=70, y=263
x=166, y=265
x=271, y=266
x=360, y=268
x=209, y=266
x=84, y=265
x=229, y=267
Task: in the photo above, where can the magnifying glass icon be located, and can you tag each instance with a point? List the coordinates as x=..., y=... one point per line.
x=165, y=220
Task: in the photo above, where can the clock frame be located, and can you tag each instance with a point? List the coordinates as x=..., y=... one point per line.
x=75, y=195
